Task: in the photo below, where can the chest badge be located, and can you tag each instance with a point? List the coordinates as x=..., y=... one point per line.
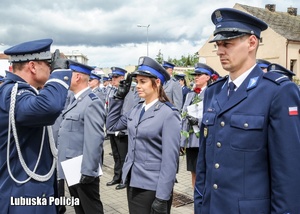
x=205, y=132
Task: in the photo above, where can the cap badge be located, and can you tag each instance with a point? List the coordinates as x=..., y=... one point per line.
x=141, y=60
x=218, y=16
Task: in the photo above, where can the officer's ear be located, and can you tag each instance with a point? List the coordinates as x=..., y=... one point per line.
x=157, y=82
x=253, y=42
x=32, y=67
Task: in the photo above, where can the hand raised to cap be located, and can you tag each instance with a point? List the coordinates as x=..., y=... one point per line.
x=57, y=62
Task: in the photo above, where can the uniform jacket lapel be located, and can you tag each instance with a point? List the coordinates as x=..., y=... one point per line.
x=241, y=93
x=79, y=99
x=151, y=111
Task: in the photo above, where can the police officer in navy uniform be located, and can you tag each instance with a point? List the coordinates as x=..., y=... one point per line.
x=184, y=88
x=154, y=135
x=250, y=131
x=172, y=87
x=119, y=139
x=27, y=149
x=263, y=64
x=273, y=67
x=81, y=133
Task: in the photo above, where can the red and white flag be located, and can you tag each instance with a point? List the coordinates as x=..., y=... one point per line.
x=293, y=110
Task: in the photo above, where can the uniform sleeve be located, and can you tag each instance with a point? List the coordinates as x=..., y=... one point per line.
x=94, y=117
x=284, y=150
x=177, y=95
x=44, y=108
x=170, y=155
x=115, y=121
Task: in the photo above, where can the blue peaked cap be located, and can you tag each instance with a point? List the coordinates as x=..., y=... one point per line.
x=79, y=67
x=105, y=78
x=94, y=75
x=201, y=68
x=179, y=76
x=118, y=71
x=231, y=23
x=30, y=51
x=262, y=63
x=273, y=67
x=168, y=65
x=150, y=68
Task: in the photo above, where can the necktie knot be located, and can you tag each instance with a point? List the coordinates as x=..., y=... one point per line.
x=231, y=87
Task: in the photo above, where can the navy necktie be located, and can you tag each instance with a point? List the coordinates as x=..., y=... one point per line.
x=231, y=87
x=142, y=113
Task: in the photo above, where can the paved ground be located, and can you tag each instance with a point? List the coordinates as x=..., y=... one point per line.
x=115, y=202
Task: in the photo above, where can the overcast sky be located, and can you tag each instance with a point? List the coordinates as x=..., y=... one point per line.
x=106, y=30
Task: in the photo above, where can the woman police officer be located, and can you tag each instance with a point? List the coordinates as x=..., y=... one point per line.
x=154, y=136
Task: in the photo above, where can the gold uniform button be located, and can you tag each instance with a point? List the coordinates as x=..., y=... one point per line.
x=219, y=145
x=215, y=186
x=222, y=123
x=66, y=78
x=246, y=125
x=217, y=166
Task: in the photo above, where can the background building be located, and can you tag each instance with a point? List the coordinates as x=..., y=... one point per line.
x=280, y=43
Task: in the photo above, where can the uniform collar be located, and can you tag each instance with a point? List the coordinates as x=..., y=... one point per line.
x=238, y=81
x=149, y=104
x=80, y=92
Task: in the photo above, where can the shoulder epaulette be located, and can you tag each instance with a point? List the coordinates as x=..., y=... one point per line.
x=93, y=96
x=171, y=106
x=223, y=79
x=275, y=77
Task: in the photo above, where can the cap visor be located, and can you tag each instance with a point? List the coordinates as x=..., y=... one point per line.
x=220, y=37
x=143, y=73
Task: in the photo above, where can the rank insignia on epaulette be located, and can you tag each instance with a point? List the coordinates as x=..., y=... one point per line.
x=93, y=96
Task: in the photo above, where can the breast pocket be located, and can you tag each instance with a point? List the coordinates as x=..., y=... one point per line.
x=208, y=121
x=248, y=134
x=73, y=122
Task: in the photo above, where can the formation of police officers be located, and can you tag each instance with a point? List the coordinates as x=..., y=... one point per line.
x=27, y=100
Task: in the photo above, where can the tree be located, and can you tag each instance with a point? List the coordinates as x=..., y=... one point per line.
x=184, y=61
x=159, y=57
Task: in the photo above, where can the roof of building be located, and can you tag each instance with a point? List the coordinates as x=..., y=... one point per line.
x=282, y=23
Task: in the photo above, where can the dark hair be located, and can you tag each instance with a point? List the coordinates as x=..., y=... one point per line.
x=162, y=97
x=184, y=81
x=18, y=66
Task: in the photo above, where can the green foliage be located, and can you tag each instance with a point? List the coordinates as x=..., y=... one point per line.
x=159, y=57
x=184, y=61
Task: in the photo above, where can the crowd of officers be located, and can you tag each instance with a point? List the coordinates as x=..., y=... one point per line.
x=151, y=117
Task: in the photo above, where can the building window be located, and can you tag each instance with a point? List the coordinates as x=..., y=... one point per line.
x=293, y=64
x=261, y=40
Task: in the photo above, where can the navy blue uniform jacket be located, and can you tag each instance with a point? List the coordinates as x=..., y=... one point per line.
x=248, y=159
x=32, y=112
